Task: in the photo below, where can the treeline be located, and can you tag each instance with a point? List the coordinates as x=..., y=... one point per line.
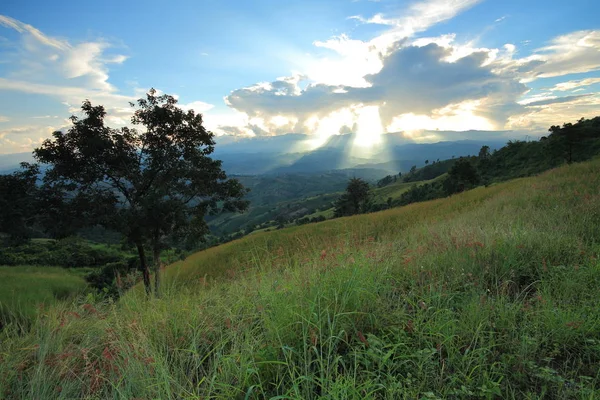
x=72, y=252
x=429, y=171
x=565, y=144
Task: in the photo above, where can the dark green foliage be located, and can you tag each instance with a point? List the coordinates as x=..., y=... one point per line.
x=462, y=176
x=571, y=143
x=306, y=220
x=427, y=191
x=116, y=277
x=386, y=181
x=18, y=198
x=149, y=186
x=70, y=252
x=356, y=200
x=428, y=172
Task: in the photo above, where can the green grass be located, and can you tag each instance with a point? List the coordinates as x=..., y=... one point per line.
x=23, y=289
x=485, y=295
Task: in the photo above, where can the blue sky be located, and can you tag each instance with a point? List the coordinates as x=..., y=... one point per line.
x=266, y=67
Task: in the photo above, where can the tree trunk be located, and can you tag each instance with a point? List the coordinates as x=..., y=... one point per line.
x=156, y=256
x=145, y=269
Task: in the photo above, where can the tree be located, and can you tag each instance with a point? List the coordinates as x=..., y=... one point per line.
x=484, y=152
x=461, y=176
x=150, y=185
x=385, y=181
x=426, y=162
x=356, y=199
x=568, y=138
x=18, y=202
x=413, y=169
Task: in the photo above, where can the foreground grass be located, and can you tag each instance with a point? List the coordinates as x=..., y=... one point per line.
x=488, y=294
x=24, y=288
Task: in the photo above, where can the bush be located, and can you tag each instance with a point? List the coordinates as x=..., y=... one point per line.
x=71, y=252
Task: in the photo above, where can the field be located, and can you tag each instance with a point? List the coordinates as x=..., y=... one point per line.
x=24, y=288
x=488, y=294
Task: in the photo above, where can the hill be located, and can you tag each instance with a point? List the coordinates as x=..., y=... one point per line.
x=491, y=293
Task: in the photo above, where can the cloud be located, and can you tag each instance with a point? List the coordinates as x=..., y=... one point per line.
x=198, y=106
x=540, y=117
x=575, y=52
x=556, y=100
x=24, y=138
x=4, y=119
x=419, y=16
x=413, y=79
x=35, y=33
x=68, y=72
x=575, y=84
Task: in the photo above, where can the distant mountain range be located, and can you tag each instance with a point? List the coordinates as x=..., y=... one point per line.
x=293, y=153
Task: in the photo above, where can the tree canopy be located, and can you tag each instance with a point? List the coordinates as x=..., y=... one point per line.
x=355, y=200
x=151, y=185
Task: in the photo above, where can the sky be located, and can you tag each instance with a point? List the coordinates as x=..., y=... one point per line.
x=318, y=67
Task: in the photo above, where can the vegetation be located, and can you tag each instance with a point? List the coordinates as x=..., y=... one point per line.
x=490, y=293
x=355, y=200
x=150, y=186
x=26, y=289
x=71, y=252
x=18, y=204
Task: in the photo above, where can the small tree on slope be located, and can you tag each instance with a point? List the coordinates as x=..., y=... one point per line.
x=148, y=185
x=355, y=200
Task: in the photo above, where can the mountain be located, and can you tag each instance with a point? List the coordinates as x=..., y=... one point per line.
x=296, y=153
x=10, y=162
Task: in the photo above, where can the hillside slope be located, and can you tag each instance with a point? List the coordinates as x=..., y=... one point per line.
x=491, y=293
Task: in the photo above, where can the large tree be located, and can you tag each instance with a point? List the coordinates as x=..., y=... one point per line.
x=355, y=200
x=150, y=184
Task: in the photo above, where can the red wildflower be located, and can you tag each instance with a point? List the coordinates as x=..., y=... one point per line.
x=362, y=338
x=107, y=354
x=90, y=308
x=313, y=337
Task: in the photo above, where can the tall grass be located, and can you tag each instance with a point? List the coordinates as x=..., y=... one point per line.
x=488, y=294
x=25, y=288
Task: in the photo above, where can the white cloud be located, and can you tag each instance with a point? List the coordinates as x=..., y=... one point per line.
x=539, y=118
x=198, y=106
x=24, y=138
x=417, y=18
x=415, y=80
x=574, y=85
x=35, y=33
x=575, y=52
x=411, y=80
x=4, y=119
x=70, y=73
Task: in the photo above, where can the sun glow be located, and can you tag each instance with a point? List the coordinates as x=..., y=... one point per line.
x=325, y=128
x=369, y=127
x=454, y=117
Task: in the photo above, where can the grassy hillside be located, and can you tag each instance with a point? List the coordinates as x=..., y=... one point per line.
x=491, y=293
x=23, y=289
